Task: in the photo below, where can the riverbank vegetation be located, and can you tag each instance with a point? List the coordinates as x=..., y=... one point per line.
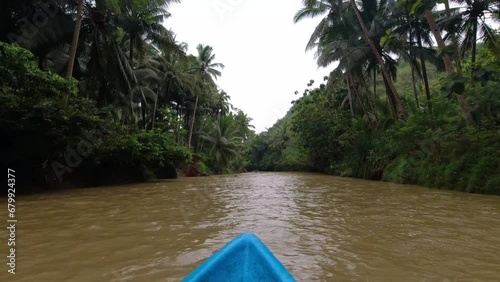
x=100, y=92
x=395, y=107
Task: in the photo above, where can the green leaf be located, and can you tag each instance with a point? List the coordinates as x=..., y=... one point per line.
x=383, y=41
x=415, y=7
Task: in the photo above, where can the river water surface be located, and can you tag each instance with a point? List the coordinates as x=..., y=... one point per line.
x=322, y=228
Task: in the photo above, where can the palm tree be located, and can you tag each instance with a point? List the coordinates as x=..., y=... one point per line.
x=167, y=71
x=242, y=123
x=330, y=9
x=74, y=43
x=207, y=70
x=407, y=39
x=143, y=21
x=472, y=21
x=454, y=40
x=383, y=68
x=426, y=7
x=280, y=140
x=224, y=141
x=221, y=103
x=339, y=38
x=417, y=32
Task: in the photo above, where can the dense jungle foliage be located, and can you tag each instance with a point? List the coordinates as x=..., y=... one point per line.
x=395, y=107
x=100, y=92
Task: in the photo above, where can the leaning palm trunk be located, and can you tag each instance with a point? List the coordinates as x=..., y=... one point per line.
x=143, y=113
x=349, y=95
x=154, y=109
x=131, y=51
x=179, y=127
x=362, y=105
x=394, y=93
x=474, y=43
x=424, y=74
x=439, y=39
x=192, y=122
x=390, y=101
x=415, y=94
x=454, y=41
x=74, y=43
x=462, y=99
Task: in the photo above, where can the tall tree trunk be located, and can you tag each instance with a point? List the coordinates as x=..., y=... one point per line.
x=474, y=43
x=131, y=51
x=390, y=101
x=74, y=43
x=154, y=109
x=180, y=122
x=415, y=94
x=349, y=96
x=424, y=74
x=143, y=111
x=462, y=99
x=363, y=108
x=413, y=83
x=385, y=72
x=439, y=39
x=454, y=41
x=192, y=122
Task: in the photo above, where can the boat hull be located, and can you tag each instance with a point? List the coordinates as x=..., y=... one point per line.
x=245, y=258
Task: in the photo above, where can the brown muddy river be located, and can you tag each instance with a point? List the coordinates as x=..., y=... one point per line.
x=322, y=228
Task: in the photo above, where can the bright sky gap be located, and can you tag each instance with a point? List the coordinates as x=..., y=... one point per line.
x=261, y=47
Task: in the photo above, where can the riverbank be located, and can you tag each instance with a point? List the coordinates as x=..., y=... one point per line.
x=467, y=161
x=85, y=176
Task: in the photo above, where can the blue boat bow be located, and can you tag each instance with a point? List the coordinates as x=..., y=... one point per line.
x=245, y=258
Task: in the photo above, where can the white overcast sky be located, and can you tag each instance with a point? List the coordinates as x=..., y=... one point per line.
x=261, y=47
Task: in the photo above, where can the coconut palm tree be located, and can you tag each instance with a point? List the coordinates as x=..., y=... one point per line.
x=207, y=70
x=411, y=26
x=425, y=7
x=221, y=104
x=387, y=77
x=410, y=39
x=142, y=21
x=473, y=22
x=341, y=37
x=74, y=42
x=223, y=140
